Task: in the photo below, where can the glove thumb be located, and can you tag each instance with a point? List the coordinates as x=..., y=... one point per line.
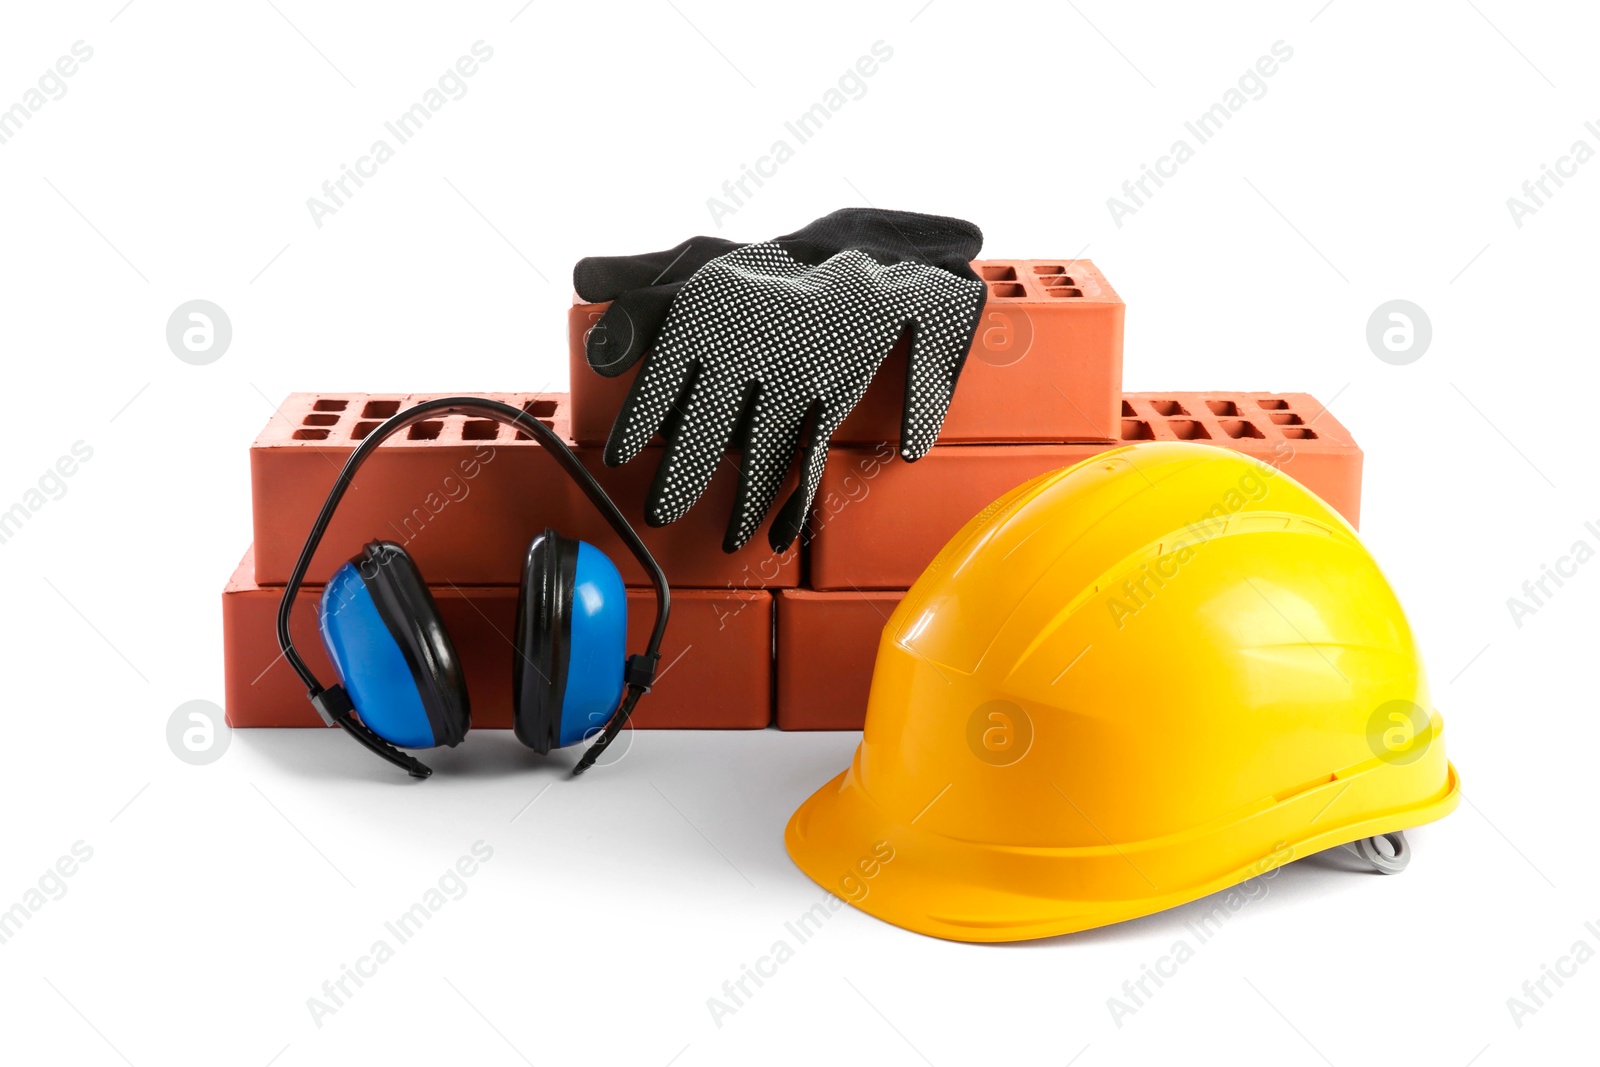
x=628, y=327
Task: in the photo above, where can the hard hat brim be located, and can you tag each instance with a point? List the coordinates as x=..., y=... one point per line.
x=967, y=891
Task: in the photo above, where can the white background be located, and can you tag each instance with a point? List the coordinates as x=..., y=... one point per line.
x=219, y=898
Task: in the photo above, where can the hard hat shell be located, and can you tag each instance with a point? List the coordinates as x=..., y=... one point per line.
x=1121, y=687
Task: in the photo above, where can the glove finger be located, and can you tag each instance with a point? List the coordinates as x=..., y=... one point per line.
x=597, y=278
x=941, y=338
x=791, y=518
x=706, y=422
x=629, y=327
x=664, y=377
x=768, y=449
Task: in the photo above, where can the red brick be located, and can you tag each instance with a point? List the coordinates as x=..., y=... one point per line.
x=473, y=529
x=716, y=659
x=826, y=646
x=1045, y=365
x=880, y=520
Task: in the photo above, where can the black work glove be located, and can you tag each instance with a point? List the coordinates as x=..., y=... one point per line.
x=759, y=345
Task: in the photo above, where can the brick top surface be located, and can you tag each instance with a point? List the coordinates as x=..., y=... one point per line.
x=1240, y=419
x=1036, y=281
x=338, y=421
x=243, y=582
x=1045, y=281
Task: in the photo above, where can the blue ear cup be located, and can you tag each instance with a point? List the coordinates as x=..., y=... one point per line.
x=383, y=632
x=572, y=622
x=599, y=634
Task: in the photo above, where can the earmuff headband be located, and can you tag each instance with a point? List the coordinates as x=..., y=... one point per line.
x=333, y=703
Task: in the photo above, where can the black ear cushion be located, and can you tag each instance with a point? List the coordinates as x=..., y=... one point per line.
x=409, y=611
x=543, y=639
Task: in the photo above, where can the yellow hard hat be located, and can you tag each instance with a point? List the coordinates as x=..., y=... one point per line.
x=1121, y=687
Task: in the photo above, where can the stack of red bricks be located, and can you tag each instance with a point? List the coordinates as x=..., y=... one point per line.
x=756, y=637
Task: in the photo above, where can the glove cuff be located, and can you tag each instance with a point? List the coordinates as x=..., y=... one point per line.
x=890, y=237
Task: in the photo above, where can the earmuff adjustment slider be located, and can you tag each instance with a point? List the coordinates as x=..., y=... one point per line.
x=333, y=704
x=640, y=672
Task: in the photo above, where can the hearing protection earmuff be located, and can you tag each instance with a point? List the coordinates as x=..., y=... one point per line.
x=402, y=683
